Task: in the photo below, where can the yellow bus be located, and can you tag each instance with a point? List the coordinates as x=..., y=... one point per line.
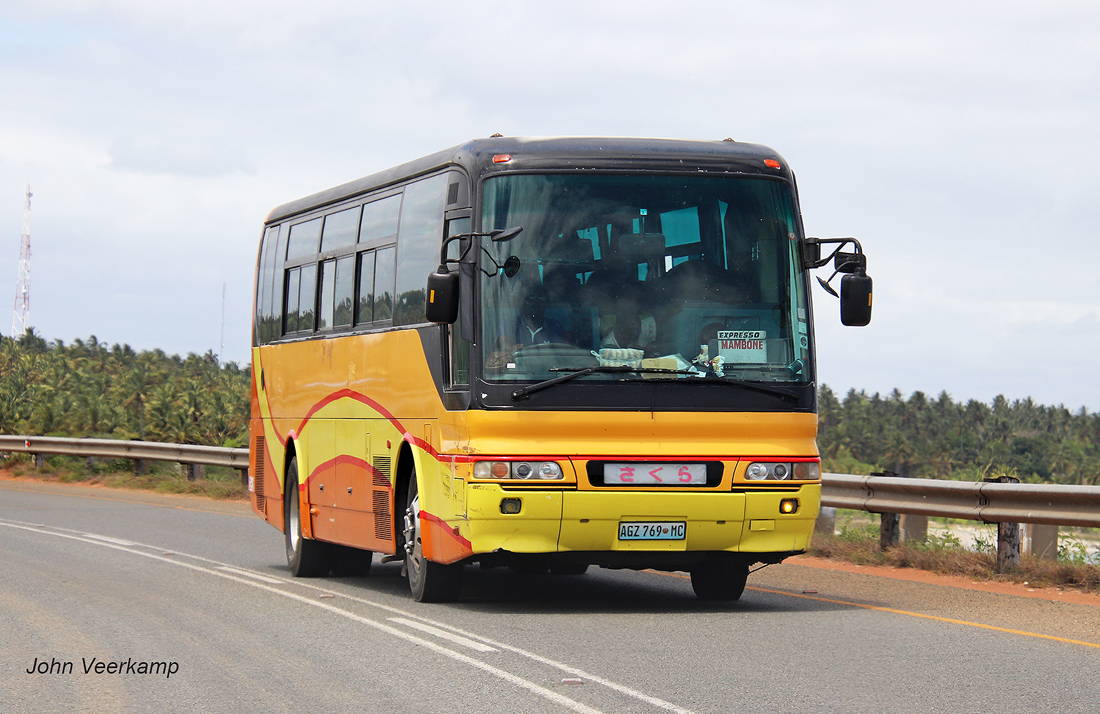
x=544, y=354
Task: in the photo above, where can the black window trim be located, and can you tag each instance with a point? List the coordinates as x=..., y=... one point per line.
x=354, y=249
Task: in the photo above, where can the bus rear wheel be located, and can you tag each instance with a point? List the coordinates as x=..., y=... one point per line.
x=428, y=581
x=719, y=580
x=307, y=558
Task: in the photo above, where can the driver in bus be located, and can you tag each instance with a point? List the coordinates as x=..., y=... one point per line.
x=531, y=327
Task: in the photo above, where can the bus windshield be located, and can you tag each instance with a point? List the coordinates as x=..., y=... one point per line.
x=679, y=277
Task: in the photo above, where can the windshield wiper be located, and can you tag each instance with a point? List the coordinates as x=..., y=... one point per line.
x=623, y=369
x=575, y=373
x=758, y=387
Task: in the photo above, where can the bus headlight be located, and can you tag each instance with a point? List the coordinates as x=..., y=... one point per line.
x=786, y=471
x=522, y=470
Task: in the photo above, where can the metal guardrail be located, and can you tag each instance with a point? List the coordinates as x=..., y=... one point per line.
x=977, y=501
x=189, y=454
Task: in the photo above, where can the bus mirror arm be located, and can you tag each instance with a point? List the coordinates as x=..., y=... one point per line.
x=442, y=288
x=498, y=236
x=811, y=252
x=855, y=285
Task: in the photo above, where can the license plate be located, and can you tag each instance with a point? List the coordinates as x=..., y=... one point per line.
x=638, y=530
x=655, y=474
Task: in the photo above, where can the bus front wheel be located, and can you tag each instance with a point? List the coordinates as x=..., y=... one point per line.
x=719, y=580
x=428, y=581
x=307, y=558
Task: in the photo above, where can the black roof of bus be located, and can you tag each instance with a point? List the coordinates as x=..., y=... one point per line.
x=579, y=153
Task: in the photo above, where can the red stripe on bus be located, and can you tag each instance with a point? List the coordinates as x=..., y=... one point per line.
x=425, y=516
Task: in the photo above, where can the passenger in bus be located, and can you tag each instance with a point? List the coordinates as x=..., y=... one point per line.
x=627, y=324
x=620, y=300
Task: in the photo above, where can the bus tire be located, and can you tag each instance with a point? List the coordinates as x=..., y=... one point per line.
x=719, y=580
x=428, y=581
x=307, y=558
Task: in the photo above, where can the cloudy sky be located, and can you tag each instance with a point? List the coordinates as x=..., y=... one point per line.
x=959, y=141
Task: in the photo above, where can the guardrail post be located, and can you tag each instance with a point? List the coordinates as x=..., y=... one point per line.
x=913, y=527
x=1008, y=535
x=1039, y=540
x=826, y=521
x=1008, y=546
x=140, y=467
x=244, y=480
x=888, y=530
x=195, y=471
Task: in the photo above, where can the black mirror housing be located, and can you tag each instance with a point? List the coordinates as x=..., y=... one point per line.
x=855, y=299
x=442, y=304
x=850, y=262
x=811, y=253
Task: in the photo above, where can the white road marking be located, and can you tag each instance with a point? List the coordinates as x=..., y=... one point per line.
x=568, y=669
x=449, y=636
x=518, y=681
x=106, y=539
x=247, y=574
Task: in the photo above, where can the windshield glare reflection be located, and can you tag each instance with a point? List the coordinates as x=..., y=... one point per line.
x=695, y=275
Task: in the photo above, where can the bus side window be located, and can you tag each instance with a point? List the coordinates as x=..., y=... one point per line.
x=340, y=229
x=307, y=303
x=344, y=292
x=305, y=239
x=383, y=284
x=275, y=288
x=264, y=279
x=328, y=294
x=290, y=320
x=380, y=219
x=337, y=288
x=459, y=347
x=365, y=311
x=418, y=239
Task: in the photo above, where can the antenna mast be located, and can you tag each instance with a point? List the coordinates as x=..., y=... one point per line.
x=21, y=319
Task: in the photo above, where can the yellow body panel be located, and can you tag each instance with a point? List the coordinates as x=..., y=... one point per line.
x=352, y=408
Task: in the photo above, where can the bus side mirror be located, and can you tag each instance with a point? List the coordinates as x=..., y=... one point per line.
x=442, y=304
x=855, y=299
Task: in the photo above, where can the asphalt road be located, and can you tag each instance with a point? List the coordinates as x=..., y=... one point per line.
x=193, y=600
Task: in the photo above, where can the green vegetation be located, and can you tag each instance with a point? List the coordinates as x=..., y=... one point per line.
x=218, y=483
x=944, y=439
x=89, y=389
x=945, y=554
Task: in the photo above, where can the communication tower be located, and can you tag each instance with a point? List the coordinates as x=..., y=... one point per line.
x=21, y=318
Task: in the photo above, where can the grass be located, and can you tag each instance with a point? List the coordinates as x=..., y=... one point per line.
x=217, y=483
x=945, y=554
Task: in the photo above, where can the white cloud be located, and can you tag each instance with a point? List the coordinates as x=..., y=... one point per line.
x=956, y=140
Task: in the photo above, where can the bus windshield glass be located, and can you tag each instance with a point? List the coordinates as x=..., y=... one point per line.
x=680, y=277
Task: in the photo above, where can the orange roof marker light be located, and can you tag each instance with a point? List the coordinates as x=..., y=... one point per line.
x=502, y=158
x=767, y=162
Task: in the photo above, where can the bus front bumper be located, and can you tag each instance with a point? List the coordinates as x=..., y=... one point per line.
x=555, y=521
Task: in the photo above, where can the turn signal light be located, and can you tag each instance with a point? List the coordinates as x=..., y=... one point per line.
x=523, y=470
x=796, y=471
x=788, y=505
